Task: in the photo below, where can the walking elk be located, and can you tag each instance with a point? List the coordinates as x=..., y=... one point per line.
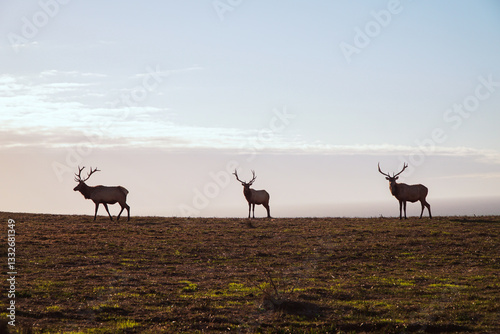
x=254, y=196
x=102, y=194
x=404, y=192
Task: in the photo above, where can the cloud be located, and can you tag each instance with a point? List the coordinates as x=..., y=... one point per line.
x=47, y=110
x=7, y=79
x=389, y=149
x=166, y=73
x=17, y=47
x=73, y=74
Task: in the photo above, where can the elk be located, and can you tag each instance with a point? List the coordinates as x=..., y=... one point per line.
x=254, y=196
x=404, y=192
x=102, y=194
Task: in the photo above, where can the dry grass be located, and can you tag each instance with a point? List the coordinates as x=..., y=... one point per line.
x=319, y=275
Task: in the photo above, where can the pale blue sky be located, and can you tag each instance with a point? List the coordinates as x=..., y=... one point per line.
x=218, y=81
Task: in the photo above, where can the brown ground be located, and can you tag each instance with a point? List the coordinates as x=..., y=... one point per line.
x=297, y=275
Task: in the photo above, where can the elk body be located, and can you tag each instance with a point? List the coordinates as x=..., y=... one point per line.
x=102, y=194
x=254, y=196
x=404, y=192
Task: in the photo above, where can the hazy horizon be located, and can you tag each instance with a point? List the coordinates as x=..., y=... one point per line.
x=167, y=99
x=457, y=207
x=210, y=190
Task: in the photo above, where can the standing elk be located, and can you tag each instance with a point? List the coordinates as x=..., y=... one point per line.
x=404, y=192
x=102, y=194
x=254, y=196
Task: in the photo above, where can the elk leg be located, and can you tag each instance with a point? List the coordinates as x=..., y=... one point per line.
x=106, y=207
x=124, y=206
x=423, y=206
x=400, y=209
x=253, y=210
x=428, y=208
x=249, y=209
x=96, y=207
x=118, y=217
x=268, y=210
x=404, y=206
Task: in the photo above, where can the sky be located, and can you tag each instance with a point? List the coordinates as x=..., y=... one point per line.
x=168, y=98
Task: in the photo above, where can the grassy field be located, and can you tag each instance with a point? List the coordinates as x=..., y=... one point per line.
x=300, y=275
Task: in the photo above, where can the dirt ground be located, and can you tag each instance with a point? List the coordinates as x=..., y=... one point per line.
x=297, y=275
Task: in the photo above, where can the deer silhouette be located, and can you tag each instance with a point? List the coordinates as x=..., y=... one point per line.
x=102, y=194
x=254, y=196
x=404, y=192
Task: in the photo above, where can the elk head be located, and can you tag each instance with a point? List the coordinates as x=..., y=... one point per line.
x=392, y=179
x=246, y=185
x=78, y=177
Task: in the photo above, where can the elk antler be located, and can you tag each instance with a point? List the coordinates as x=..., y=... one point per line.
x=382, y=172
x=78, y=177
x=253, y=178
x=243, y=182
x=405, y=165
x=236, y=174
